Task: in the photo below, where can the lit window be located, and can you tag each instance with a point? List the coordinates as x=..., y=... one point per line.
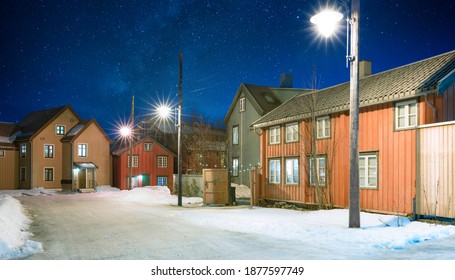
x=60, y=129
x=48, y=151
x=162, y=181
x=235, y=167
x=292, y=171
x=235, y=135
x=292, y=132
x=82, y=150
x=162, y=161
x=23, y=150
x=320, y=170
x=368, y=171
x=275, y=135
x=323, y=127
x=406, y=114
x=274, y=171
x=48, y=174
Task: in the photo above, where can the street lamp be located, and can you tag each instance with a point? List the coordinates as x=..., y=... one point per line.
x=326, y=22
x=126, y=132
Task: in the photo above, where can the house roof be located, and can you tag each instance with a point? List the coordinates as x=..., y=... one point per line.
x=6, y=129
x=434, y=74
x=121, y=147
x=36, y=121
x=81, y=127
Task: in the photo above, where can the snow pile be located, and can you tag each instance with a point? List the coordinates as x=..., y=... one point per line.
x=324, y=226
x=107, y=189
x=30, y=192
x=14, y=236
x=241, y=191
x=153, y=195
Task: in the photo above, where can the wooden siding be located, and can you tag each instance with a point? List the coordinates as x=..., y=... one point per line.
x=9, y=169
x=436, y=166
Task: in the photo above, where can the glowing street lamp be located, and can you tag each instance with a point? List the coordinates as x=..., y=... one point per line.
x=326, y=22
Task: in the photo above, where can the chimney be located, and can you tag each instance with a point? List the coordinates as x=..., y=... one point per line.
x=364, y=68
x=286, y=80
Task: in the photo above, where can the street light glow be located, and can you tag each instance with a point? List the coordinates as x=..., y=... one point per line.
x=326, y=22
x=125, y=131
x=164, y=111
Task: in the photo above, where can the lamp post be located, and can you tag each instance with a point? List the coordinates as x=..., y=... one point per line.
x=127, y=133
x=326, y=22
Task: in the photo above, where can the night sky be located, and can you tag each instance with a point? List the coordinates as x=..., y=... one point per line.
x=94, y=55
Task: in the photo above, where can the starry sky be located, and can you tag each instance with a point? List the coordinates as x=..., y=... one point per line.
x=94, y=55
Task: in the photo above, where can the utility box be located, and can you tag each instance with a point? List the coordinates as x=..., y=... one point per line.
x=215, y=186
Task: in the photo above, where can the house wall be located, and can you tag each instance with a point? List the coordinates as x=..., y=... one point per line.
x=396, y=152
x=9, y=169
x=248, y=149
x=48, y=136
x=98, y=152
x=67, y=165
x=147, y=165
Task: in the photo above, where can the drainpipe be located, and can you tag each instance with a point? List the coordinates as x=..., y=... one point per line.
x=435, y=113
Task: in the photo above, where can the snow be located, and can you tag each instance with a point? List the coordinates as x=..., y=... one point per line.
x=378, y=232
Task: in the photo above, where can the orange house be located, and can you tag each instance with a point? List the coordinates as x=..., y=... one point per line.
x=393, y=105
x=152, y=164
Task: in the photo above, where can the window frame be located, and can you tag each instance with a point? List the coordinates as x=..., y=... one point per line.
x=148, y=146
x=325, y=134
x=294, y=134
x=49, y=171
x=23, y=151
x=275, y=136
x=276, y=172
x=235, y=135
x=235, y=167
x=368, y=155
x=162, y=161
x=49, y=153
x=242, y=104
x=2, y=153
x=162, y=177
x=58, y=131
x=82, y=150
x=23, y=174
x=406, y=114
x=135, y=159
x=318, y=170
x=293, y=182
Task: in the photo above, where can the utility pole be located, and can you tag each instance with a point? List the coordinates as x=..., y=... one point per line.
x=179, y=137
x=130, y=160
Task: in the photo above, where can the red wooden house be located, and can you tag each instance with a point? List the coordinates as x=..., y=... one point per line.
x=152, y=164
x=393, y=106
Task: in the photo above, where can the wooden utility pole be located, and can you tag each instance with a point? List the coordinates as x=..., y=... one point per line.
x=130, y=160
x=179, y=136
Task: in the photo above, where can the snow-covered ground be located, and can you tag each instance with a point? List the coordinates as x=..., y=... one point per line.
x=379, y=233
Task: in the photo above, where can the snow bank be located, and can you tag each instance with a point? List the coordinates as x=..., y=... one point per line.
x=241, y=191
x=107, y=189
x=30, y=192
x=14, y=236
x=153, y=195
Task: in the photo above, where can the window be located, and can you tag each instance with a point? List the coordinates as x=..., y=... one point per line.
x=292, y=171
x=23, y=150
x=135, y=161
x=292, y=132
x=22, y=174
x=275, y=135
x=235, y=167
x=235, y=135
x=368, y=170
x=148, y=147
x=162, y=181
x=60, y=129
x=323, y=127
x=162, y=161
x=48, y=174
x=406, y=114
x=242, y=104
x=320, y=170
x=82, y=150
x=274, y=171
x=2, y=153
x=48, y=151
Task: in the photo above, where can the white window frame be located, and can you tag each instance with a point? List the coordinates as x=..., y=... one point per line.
x=235, y=135
x=162, y=161
x=407, y=114
x=274, y=171
x=242, y=104
x=235, y=167
x=322, y=173
x=148, y=146
x=50, y=152
x=292, y=171
x=323, y=127
x=23, y=151
x=2, y=153
x=367, y=169
x=82, y=150
x=163, y=178
x=135, y=160
x=46, y=179
x=275, y=135
x=58, y=131
x=292, y=132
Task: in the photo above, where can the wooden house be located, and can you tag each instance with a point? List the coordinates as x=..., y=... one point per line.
x=394, y=106
x=152, y=164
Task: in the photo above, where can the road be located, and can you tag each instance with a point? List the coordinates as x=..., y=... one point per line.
x=93, y=227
